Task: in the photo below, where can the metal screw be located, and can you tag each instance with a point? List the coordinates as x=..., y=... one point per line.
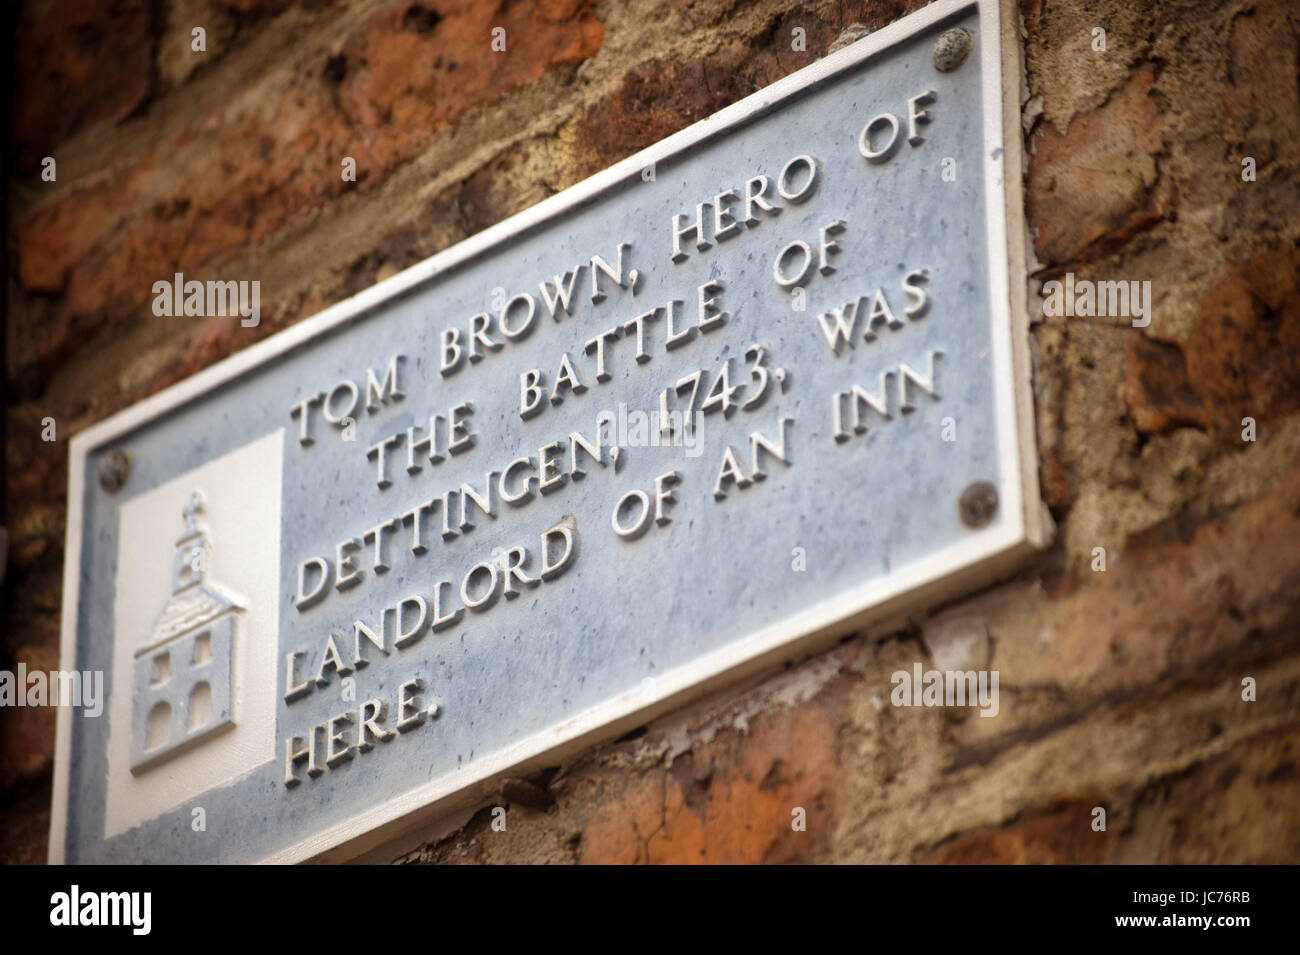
x=977, y=504
x=114, y=469
x=951, y=49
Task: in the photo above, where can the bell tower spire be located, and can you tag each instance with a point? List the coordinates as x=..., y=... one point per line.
x=193, y=550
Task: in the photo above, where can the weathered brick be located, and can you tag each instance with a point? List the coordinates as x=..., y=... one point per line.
x=659, y=98
x=1238, y=808
x=274, y=152
x=27, y=732
x=1261, y=112
x=79, y=62
x=1061, y=835
x=1241, y=358
x=1055, y=481
x=24, y=838
x=730, y=801
x=1177, y=601
x=1100, y=183
x=35, y=493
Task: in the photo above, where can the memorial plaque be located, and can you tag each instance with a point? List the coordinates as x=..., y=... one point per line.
x=754, y=387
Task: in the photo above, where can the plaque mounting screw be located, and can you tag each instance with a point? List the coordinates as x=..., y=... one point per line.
x=977, y=504
x=114, y=469
x=951, y=49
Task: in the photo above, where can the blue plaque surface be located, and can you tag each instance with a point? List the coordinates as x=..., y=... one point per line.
x=754, y=387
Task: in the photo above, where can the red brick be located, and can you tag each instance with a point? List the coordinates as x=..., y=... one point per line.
x=1056, y=485
x=1062, y=835
x=1237, y=809
x=729, y=801
x=255, y=7
x=27, y=732
x=268, y=157
x=1182, y=596
x=657, y=99
x=1261, y=110
x=79, y=62
x=1098, y=184
x=1240, y=359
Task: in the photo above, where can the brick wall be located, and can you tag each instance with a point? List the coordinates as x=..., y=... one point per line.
x=1120, y=688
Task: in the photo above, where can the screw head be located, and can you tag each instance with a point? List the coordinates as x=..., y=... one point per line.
x=977, y=504
x=951, y=49
x=114, y=469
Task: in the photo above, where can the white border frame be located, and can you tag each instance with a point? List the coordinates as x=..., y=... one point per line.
x=979, y=559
